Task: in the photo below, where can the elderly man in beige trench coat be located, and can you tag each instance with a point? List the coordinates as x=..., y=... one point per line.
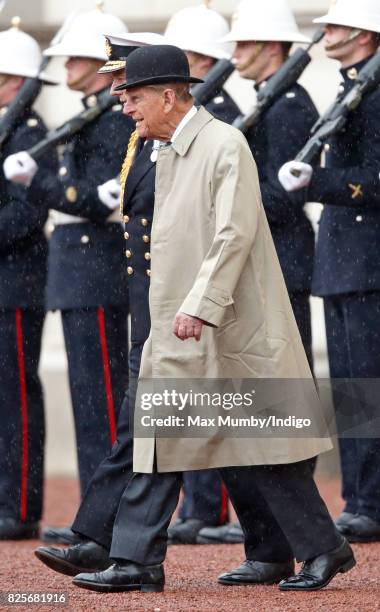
x=216, y=283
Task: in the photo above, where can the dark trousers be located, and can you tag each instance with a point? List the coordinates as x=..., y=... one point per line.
x=97, y=512
x=204, y=495
x=96, y=341
x=353, y=340
x=279, y=507
x=22, y=429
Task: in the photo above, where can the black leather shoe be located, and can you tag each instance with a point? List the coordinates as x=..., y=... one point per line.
x=362, y=529
x=343, y=520
x=225, y=534
x=61, y=535
x=318, y=572
x=124, y=576
x=12, y=529
x=85, y=557
x=258, y=572
x=185, y=532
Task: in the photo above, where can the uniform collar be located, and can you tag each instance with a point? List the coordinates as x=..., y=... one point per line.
x=191, y=130
x=92, y=99
x=350, y=73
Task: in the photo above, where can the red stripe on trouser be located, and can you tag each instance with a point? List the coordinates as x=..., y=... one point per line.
x=24, y=417
x=223, y=505
x=107, y=375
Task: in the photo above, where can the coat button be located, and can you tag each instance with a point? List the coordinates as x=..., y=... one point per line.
x=85, y=239
x=126, y=235
x=147, y=256
x=144, y=222
x=359, y=218
x=327, y=147
x=146, y=238
x=71, y=194
x=62, y=171
x=128, y=253
x=130, y=270
x=126, y=218
x=148, y=272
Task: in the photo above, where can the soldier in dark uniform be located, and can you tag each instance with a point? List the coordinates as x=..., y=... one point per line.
x=347, y=263
x=23, y=269
x=284, y=126
x=87, y=274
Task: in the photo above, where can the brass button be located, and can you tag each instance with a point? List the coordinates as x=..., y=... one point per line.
x=62, y=171
x=126, y=218
x=32, y=122
x=359, y=218
x=327, y=147
x=148, y=272
x=71, y=194
x=144, y=222
x=146, y=238
x=85, y=239
x=352, y=74
x=147, y=256
x=126, y=235
x=130, y=270
x=92, y=101
x=128, y=253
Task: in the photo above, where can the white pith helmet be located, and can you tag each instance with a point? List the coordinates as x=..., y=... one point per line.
x=84, y=37
x=271, y=20
x=201, y=30
x=119, y=47
x=361, y=15
x=20, y=54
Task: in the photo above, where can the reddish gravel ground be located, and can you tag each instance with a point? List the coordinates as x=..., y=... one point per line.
x=191, y=575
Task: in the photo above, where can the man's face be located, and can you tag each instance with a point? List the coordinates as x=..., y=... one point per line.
x=80, y=71
x=252, y=59
x=118, y=78
x=147, y=107
x=9, y=86
x=334, y=35
x=199, y=64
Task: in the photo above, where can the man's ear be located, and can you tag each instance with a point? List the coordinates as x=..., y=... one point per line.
x=169, y=99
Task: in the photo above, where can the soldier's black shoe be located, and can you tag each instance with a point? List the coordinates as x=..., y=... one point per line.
x=61, y=535
x=85, y=557
x=225, y=534
x=362, y=529
x=258, y=572
x=185, y=532
x=341, y=523
x=124, y=576
x=12, y=529
x=318, y=572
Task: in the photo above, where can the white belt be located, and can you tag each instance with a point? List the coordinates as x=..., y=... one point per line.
x=59, y=218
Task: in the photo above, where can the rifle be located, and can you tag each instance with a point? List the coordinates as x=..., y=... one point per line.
x=214, y=81
x=74, y=125
x=285, y=77
x=336, y=116
x=29, y=90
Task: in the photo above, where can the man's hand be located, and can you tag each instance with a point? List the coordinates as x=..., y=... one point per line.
x=185, y=326
x=109, y=193
x=295, y=175
x=20, y=168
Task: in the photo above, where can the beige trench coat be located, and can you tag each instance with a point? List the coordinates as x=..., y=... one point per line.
x=213, y=257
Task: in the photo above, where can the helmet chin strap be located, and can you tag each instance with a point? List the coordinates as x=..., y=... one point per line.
x=3, y=79
x=342, y=43
x=252, y=58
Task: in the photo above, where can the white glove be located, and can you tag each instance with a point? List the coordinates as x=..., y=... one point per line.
x=20, y=168
x=109, y=193
x=291, y=182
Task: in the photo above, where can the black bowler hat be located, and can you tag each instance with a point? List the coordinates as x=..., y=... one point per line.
x=157, y=64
